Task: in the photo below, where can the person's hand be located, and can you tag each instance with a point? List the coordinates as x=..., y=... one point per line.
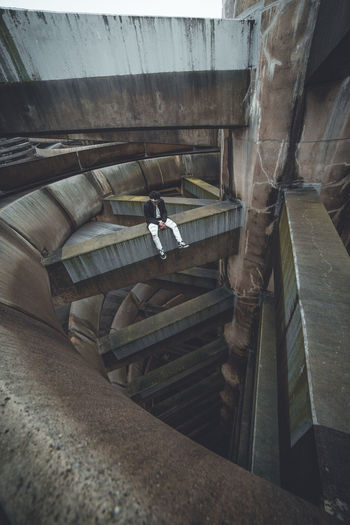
x=162, y=225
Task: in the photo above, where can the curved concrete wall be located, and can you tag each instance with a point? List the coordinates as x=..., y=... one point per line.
x=144, y=175
x=75, y=450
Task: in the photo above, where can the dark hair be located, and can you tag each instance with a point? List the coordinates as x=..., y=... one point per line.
x=154, y=195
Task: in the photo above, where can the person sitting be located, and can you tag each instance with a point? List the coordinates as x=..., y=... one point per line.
x=157, y=217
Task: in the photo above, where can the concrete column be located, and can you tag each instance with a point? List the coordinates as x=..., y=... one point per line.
x=314, y=306
x=264, y=152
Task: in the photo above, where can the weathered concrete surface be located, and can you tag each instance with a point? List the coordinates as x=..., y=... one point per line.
x=200, y=188
x=83, y=328
x=265, y=460
x=263, y=154
x=24, y=283
x=97, y=57
x=126, y=315
x=143, y=176
x=99, y=103
x=64, y=164
x=117, y=259
x=132, y=341
x=314, y=306
x=91, y=230
x=133, y=205
x=39, y=219
x=188, y=80
x=238, y=8
x=295, y=132
x=199, y=137
x=78, y=448
x=78, y=197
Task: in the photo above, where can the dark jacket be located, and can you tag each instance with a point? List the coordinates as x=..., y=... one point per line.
x=150, y=212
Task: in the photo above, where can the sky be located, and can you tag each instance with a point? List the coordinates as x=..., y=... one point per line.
x=184, y=8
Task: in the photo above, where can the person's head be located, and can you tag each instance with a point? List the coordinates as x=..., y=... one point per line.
x=155, y=197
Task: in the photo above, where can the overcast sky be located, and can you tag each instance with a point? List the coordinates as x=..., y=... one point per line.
x=185, y=8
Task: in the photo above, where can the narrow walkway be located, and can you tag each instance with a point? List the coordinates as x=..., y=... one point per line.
x=129, y=256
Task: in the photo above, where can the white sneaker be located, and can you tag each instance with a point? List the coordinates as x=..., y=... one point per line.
x=162, y=254
x=182, y=244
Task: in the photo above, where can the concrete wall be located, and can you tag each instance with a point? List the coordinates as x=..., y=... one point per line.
x=79, y=72
x=73, y=449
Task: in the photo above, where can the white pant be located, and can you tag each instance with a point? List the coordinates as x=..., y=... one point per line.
x=153, y=228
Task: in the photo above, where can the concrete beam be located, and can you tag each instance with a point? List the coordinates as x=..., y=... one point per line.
x=314, y=307
x=159, y=380
x=190, y=80
x=133, y=204
x=130, y=343
x=200, y=189
x=128, y=256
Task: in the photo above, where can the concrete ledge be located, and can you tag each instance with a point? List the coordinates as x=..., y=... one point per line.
x=200, y=189
x=120, y=257
x=24, y=284
x=91, y=230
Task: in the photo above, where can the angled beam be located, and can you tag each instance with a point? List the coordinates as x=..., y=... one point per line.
x=128, y=256
x=133, y=205
x=166, y=376
x=169, y=407
x=132, y=342
x=200, y=189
